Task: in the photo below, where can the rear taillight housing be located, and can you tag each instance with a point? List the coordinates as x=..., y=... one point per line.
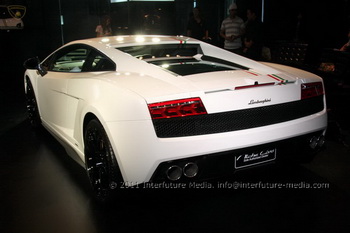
x=177, y=108
x=309, y=90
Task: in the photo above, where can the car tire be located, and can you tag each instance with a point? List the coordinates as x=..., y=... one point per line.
x=101, y=165
x=32, y=106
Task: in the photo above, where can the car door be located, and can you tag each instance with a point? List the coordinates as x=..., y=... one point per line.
x=63, y=65
x=80, y=86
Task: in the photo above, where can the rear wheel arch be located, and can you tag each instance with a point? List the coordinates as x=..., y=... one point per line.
x=88, y=117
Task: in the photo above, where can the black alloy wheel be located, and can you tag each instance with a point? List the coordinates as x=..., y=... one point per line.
x=101, y=165
x=32, y=106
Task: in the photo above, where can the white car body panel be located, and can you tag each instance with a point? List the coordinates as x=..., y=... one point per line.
x=119, y=100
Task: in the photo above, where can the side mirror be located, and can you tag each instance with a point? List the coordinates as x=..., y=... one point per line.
x=31, y=63
x=34, y=63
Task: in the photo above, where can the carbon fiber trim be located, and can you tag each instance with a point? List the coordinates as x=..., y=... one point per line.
x=237, y=120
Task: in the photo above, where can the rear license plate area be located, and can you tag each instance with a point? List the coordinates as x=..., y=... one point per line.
x=244, y=160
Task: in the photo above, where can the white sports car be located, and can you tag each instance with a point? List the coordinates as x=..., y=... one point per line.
x=158, y=109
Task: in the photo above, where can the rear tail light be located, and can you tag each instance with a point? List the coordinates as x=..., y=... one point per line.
x=177, y=108
x=309, y=90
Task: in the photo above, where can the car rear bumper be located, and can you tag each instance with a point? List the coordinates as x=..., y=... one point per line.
x=141, y=155
x=297, y=149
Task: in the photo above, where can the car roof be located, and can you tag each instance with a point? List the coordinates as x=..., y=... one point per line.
x=109, y=46
x=132, y=40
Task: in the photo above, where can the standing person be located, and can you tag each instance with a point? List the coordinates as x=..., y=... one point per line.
x=104, y=29
x=196, y=26
x=231, y=30
x=253, y=35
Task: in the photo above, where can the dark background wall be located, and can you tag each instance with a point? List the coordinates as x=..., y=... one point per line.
x=323, y=24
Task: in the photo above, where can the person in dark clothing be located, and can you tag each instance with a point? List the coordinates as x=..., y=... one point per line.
x=197, y=27
x=253, y=36
x=104, y=29
x=346, y=46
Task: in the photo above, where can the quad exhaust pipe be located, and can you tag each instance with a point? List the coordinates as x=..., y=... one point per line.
x=317, y=142
x=190, y=170
x=175, y=172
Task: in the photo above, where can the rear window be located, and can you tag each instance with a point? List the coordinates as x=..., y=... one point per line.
x=180, y=59
x=191, y=66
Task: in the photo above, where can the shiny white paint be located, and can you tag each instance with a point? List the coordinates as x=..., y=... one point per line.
x=119, y=100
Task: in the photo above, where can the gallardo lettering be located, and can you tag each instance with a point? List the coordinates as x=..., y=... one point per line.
x=259, y=101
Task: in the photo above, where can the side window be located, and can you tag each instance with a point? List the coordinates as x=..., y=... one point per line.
x=98, y=62
x=70, y=59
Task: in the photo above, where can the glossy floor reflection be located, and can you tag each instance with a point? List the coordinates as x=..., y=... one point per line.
x=43, y=190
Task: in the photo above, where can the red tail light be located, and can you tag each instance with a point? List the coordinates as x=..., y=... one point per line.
x=309, y=90
x=177, y=108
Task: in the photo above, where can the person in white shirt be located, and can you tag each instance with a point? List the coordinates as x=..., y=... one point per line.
x=231, y=30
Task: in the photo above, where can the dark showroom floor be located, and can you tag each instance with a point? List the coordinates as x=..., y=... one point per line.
x=42, y=190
